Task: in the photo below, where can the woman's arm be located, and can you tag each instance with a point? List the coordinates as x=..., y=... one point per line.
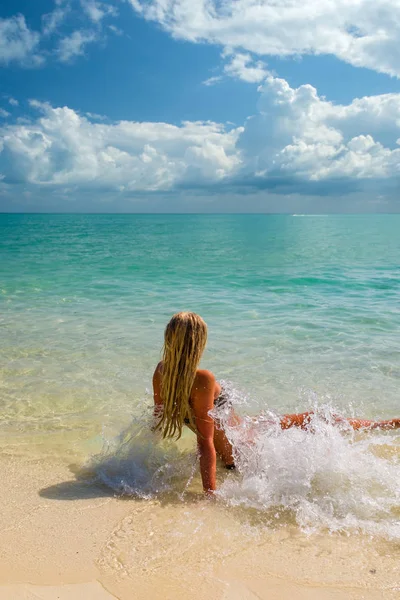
x=202, y=403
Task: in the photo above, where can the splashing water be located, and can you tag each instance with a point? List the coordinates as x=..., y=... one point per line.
x=139, y=463
x=326, y=476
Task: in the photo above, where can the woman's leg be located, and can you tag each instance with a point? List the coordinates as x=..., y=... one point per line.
x=298, y=420
x=303, y=420
x=366, y=424
x=223, y=446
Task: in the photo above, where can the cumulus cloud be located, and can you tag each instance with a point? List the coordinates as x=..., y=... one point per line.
x=75, y=44
x=296, y=141
x=18, y=44
x=296, y=132
x=13, y=101
x=4, y=113
x=63, y=148
x=360, y=32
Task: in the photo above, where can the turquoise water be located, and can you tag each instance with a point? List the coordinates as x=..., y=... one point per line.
x=302, y=311
x=292, y=304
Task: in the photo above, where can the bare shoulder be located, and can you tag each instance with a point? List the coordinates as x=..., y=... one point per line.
x=204, y=379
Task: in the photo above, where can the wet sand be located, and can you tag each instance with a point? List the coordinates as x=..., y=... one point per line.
x=67, y=539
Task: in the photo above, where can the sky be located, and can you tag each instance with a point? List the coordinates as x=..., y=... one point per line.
x=200, y=106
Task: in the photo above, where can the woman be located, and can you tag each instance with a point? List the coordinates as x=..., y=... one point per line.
x=184, y=394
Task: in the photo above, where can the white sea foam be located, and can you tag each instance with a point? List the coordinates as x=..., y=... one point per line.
x=326, y=477
x=139, y=463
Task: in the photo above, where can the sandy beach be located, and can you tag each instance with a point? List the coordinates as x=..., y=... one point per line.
x=65, y=538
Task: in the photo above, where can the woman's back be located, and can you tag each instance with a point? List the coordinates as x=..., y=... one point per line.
x=203, y=380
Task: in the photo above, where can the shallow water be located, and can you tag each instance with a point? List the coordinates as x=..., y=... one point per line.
x=302, y=312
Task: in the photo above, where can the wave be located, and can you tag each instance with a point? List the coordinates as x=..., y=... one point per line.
x=325, y=477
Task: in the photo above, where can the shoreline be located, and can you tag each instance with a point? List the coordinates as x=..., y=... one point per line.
x=68, y=539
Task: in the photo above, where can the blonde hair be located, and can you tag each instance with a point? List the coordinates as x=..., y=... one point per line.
x=185, y=338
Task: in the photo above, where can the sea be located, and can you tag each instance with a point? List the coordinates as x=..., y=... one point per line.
x=303, y=313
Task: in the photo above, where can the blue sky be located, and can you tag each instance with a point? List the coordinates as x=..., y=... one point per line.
x=170, y=105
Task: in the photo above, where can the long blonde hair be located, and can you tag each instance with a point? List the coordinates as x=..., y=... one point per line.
x=185, y=338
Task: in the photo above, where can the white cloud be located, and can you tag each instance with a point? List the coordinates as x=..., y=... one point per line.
x=96, y=117
x=115, y=29
x=63, y=148
x=360, y=32
x=18, y=44
x=75, y=44
x=51, y=21
x=96, y=11
x=212, y=80
x=4, y=113
x=242, y=66
x=13, y=102
x=296, y=135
